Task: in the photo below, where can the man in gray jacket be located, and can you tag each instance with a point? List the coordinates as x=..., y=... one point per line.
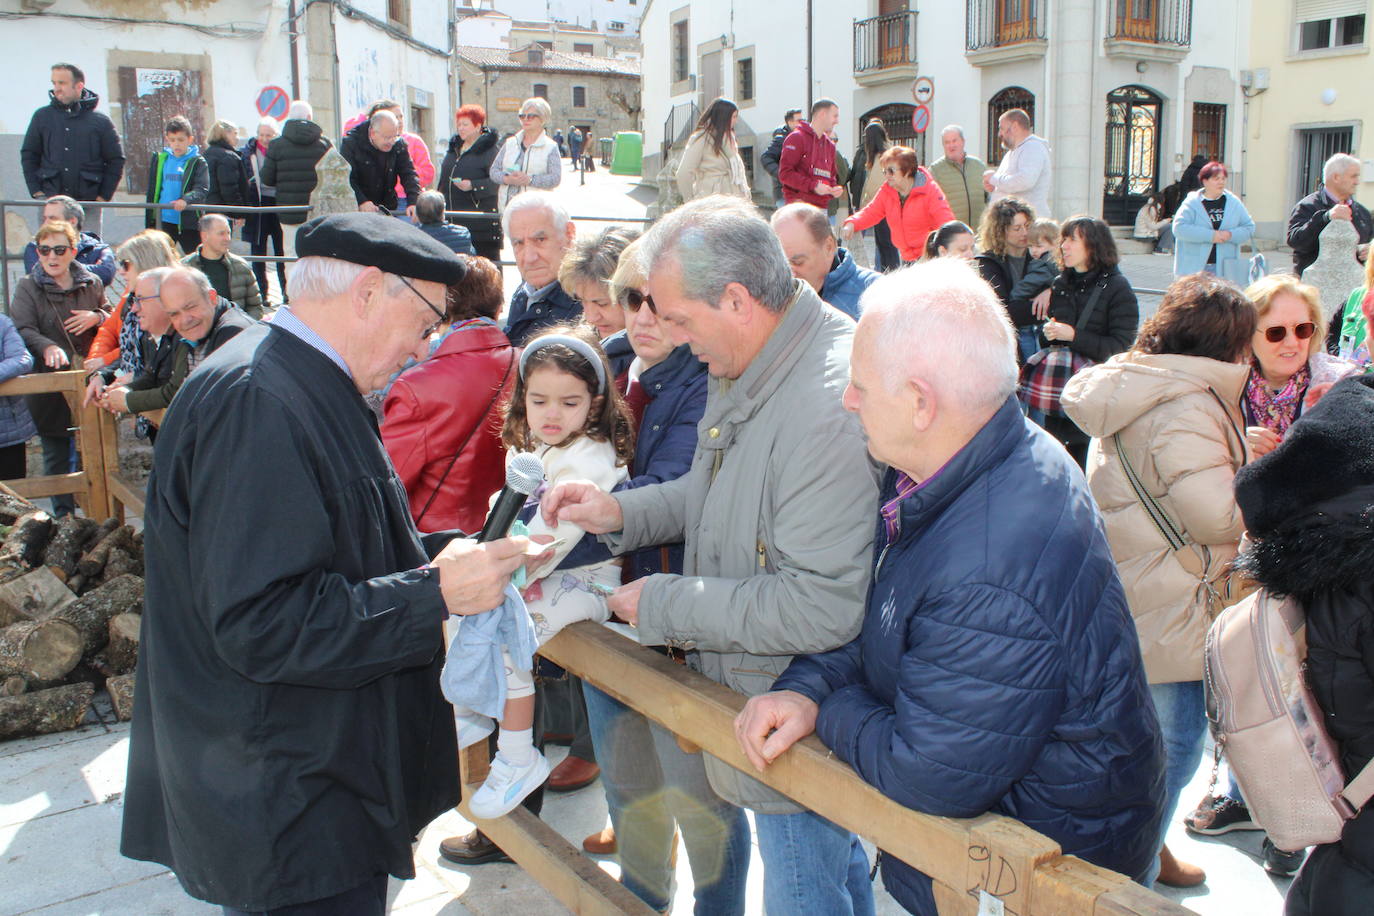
x=776, y=512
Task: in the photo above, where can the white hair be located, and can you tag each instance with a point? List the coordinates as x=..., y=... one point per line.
x=537, y=200
x=300, y=110
x=953, y=129
x=316, y=278
x=540, y=106
x=383, y=116
x=1338, y=164
x=940, y=322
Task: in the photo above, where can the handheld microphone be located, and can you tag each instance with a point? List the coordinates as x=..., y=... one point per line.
x=524, y=473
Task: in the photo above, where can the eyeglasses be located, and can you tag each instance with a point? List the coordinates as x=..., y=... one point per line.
x=126, y=264
x=434, y=327
x=1279, y=332
x=59, y=250
x=633, y=299
x=525, y=116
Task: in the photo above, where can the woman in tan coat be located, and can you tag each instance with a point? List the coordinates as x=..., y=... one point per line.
x=1166, y=413
x=711, y=163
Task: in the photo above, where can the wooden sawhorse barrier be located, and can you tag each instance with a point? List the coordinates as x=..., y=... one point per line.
x=94, y=441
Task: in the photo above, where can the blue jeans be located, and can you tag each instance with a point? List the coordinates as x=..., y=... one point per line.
x=1182, y=711
x=650, y=783
x=812, y=866
x=1027, y=341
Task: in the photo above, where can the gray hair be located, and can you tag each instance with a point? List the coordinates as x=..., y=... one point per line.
x=537, y=200
x=383, y=116
x=1337, y=164
x=269, y=121
x=155, y=276
x=541, y=106
x=953, y=129
x=300, y=110
x=812, y=218
x=317, y=278
x=942, y=323
x=717, y=241
x=429, y=207
x=210, y=219
x=72, y=211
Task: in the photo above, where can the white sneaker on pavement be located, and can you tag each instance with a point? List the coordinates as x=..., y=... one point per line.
x=507, y=785
x=472, y=727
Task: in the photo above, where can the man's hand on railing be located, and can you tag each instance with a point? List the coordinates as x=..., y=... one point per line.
x=54, y=357
x=771, y=723
x=115, y=400
x=584, y=504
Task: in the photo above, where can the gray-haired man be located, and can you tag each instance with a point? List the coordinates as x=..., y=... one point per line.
x=776, y=510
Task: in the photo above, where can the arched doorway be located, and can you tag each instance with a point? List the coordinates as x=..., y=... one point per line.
x=1004, y=101
x=1132, y=157
x=896, y=117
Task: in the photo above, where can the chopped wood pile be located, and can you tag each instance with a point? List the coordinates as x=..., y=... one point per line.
x=71, y=600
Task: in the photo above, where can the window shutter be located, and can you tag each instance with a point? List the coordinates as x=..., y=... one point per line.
x=1310, y=10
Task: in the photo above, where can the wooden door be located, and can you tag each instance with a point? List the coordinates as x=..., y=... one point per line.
x=1014, y=21
x=712, y=77
x=150, y=97
x=1136, y=19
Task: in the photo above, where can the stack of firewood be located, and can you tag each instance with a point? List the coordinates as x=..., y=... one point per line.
x=71, y=599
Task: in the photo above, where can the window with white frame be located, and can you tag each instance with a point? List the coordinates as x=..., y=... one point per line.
x=1325, y=24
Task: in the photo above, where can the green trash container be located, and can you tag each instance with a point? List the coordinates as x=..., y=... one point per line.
x=628, y=155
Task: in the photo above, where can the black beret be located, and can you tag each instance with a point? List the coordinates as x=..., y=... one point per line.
x=381, y=241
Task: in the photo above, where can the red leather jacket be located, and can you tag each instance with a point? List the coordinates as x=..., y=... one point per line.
x=432, y=408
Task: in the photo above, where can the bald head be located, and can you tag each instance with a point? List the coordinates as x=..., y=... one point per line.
x=384, y=130
x=804, y=231
x=189, y=302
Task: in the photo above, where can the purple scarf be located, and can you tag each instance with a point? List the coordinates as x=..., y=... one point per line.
x=1275, y=410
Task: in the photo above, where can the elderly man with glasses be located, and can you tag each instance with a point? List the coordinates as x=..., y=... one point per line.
x=290, y=737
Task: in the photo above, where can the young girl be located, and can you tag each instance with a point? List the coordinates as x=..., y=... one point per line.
x=565, y=410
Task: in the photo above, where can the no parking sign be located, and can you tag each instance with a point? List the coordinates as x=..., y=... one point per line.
x=920, y=118
x=273, y=102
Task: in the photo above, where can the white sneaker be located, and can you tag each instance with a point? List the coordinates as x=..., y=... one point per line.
x=472, y=727
x=507, y=785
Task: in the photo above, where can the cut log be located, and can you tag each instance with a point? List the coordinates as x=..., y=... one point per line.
x=93, y=563
x=45, y=711
x=13, y=686
x=25, y=543
x=69, y=540
x=122, y=695
x=36, y=595
x=91, y=613
x=121, y=563
x=40, y=650
x=121, y=655
x=13, y=506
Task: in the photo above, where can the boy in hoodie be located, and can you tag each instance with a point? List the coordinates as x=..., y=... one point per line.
x=178, y=176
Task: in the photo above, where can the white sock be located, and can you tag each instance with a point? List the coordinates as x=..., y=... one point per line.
x=516, y=746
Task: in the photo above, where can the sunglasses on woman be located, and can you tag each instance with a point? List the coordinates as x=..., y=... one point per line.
x=59, y=250
x=634, y=299
x=1278, y=332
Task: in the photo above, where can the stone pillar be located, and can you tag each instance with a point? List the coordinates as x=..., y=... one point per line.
x=1076, y=107
x=322, y=68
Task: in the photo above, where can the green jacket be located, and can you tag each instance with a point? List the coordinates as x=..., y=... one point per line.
x=963, y=188
x=243, y=288
x=195, y=185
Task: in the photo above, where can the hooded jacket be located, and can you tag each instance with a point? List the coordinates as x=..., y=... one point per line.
x=419, y=154
x=846, y=282
x=807, y=157
x=73, y=150
x=38, y=309
x=998, y=669
x=195, y=184
x=228, y=179
x=911, y=220
x=1180, y=425
x=289, y=166
x=16, y=424
x=1308, y=506
x=374, y=173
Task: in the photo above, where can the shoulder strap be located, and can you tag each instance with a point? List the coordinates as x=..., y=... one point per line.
x=1359, y=789
x=1166, y=527
x=1088, y=309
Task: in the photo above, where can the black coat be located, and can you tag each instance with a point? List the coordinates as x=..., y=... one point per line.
x=255, y=225
x=1307, y=507
x=373, y=173
x=523, y=320
x=290, y=166
x=1112, y=326
x=474, y=165
x=1310, y=217
x=993, y=269
x=228, y=183
x=771, y=158
x=290, y=737
x=73, y=150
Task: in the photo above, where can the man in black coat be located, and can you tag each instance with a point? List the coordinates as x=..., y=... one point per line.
x=377, y=156
x=290, y=738
x=70, y=148
x=1335, y=199
x=772, y=157
x=289, y=165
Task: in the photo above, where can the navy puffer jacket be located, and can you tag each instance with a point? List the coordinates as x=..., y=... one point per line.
x=998, y=668
x=846, y=282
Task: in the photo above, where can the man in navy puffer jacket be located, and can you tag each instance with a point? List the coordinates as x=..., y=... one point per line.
x=998, y=668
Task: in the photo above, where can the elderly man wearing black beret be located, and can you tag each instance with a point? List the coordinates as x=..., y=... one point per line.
x=290, y=738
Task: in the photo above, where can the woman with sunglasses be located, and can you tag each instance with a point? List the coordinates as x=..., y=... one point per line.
x=909, y=201
x=117, y=341
x=528, y=158
x=57, y=308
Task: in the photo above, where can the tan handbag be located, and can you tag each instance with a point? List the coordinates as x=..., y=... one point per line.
x=1266, y=721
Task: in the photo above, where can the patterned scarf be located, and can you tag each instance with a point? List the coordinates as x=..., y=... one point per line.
x=1275, y=410
x=130, y=353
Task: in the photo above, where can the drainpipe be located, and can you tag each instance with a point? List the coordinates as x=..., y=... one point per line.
x=810, y=77
x=292, y=36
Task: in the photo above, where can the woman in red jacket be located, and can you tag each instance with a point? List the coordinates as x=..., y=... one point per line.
x=441, y=420
x=910, y=201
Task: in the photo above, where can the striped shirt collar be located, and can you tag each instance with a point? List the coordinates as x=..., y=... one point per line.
x=287, y=321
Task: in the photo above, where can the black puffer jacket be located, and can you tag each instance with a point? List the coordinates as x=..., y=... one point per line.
x=1309, y=508
x=290, y=165
x=373, y=173
x=228, y=183
x=73, y=150
x=1111, y=327
x=475, y=166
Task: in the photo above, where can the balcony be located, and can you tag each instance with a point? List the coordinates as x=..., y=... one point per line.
x=1159, y=30
x=885, y=49
x=1001, y=31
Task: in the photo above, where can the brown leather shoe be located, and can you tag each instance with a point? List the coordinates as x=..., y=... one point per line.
x=1174, y=873
x=473, y=849
x=572, y=774
x=601, y=843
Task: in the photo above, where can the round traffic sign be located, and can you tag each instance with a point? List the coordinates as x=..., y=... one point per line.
x=923, y=89
x=920, y=119
x=273, y=102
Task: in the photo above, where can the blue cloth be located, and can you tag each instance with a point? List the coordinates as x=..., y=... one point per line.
x=998, y=668
x=90, y=251
x=846, y=282
x=812, y=866
x=16, y=425
x=287, y=321
x=173, y=170
x=457, y=238
x=1182, y=711
x=618, y=352
x=533, y=310
x=1193, y=236
x=474, y=674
